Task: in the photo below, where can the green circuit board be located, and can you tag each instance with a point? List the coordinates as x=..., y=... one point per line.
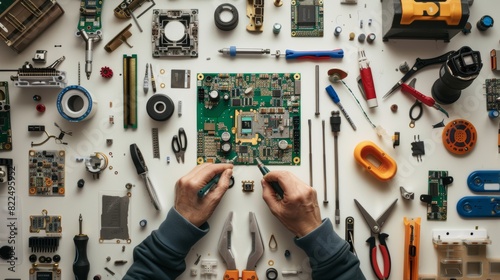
x=437, y=197
x=5, y=4
x=492, y=87
x=307, y=18
x=244, y=116
x=5, y=128
x=90, y=16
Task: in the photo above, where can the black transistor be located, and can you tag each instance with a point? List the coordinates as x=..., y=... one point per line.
x=417, y=148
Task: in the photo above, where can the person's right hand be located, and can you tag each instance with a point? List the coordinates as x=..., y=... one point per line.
x=298, y=211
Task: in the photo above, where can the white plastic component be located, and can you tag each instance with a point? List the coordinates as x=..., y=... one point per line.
x=194, y=272
x=208, y=269
x=76, y=104
x=459, y=236
x=56, y=81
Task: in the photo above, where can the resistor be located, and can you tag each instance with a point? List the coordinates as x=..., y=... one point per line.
x=179, y=108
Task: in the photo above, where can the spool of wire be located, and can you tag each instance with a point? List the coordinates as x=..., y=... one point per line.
x=75, y=104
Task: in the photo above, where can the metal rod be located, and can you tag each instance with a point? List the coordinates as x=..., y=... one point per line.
x=337, y=200
x=317, y=90
x=325, y=200
x=310, y=155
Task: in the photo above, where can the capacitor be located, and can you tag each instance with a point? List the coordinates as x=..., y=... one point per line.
x=351, y=36
x=282, y=144
x=40, y=108
x=337, y=31
x=493, y=114
x=214, y=96
x=143, y=222
x=361, y=38
x=467, y=28
x=226, y=147
x=484, y=23
x=226, y=97
x=225, y=136
x=371, y=37
x=80, y=183
x=248, y=90
x=276, y=28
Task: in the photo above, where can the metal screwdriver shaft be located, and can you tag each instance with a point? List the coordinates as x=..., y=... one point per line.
x=335, y=125
x=334, y=96
x=310, y=154
x=325, y=200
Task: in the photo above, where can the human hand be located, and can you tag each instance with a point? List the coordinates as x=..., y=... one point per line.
x=198, y=210
x=298, y=211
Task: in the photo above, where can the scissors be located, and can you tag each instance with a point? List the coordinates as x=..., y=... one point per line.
x=179, y=145
x=376, y=230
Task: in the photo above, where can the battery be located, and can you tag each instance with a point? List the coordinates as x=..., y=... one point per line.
x=430, y=20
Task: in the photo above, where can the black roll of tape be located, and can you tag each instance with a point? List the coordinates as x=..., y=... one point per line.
x=160, y=107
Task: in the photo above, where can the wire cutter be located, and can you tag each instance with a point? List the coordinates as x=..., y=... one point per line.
x=376, y=228
x=227, y=255
x=419, y=64
x=427, y=100
x=179, y=145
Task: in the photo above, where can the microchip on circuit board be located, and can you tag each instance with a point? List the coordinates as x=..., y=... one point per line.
x=307, y=18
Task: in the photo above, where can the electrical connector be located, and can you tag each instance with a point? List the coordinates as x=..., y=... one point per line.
x=335, y=122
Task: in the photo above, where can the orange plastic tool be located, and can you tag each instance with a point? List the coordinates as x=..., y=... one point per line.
x=376, y=161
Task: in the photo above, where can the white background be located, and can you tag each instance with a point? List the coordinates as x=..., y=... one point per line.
x=375, y=196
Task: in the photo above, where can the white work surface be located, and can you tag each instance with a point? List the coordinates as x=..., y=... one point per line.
x=90, y=136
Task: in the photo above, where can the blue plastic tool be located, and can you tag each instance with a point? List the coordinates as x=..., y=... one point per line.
x=478, y=179
x=337, y=53
x=479, y=207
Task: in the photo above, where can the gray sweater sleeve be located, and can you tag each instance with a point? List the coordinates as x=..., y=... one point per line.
x=161, y=255
x=329, y=255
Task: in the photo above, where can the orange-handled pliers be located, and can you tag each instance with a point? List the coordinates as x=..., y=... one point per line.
x=227, y=254
x=375, y=228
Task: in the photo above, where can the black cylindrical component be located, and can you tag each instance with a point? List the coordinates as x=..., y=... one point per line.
x=485, y=22
x=160, y=107
x=226, y=25
x=457, y=73
x=56, y=258
x=271, y=273
x=6, y=252
x=33, y=258
x=80, y=183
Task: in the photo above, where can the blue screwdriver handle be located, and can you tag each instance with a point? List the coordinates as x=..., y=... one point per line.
x=333, y=94
x=337, y=53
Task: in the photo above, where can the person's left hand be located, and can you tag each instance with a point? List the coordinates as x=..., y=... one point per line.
x=198, y=210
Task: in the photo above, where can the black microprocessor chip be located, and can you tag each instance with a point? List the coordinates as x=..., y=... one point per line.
x=276, y=93
x=243, y=149
x=306, y=15
x=236, y=102
x=434, y=189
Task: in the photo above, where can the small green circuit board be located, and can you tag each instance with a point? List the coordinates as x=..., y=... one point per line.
x=48, y=223
x=245, y=116
x=307, y=18
x=46, y=173
x=492, y=87
x=5, y=128
x=5, y=4
x=90, y=16
x=437, y=197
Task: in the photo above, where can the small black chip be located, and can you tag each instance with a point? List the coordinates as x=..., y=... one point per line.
x=243, y=149
x=276, y=93
x=236, y=102
x=434, y=187
x=306, y=15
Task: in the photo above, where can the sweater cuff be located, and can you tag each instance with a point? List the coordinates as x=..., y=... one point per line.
x=321, y=243
x=179, y=233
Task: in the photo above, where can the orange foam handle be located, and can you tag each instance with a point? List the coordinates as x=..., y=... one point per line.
x=249, y=275
x=231, y=275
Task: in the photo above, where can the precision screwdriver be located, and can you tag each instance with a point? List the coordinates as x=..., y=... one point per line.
x=145, y=84
x=81, y=265
x=334, y=96
x=233, y=51
x=264, y=170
